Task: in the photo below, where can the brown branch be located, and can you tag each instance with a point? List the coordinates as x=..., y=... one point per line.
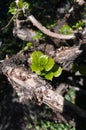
x=3, y=28
x=67, y=55
x=47, y=31
x=30, y=86
x=26, y=34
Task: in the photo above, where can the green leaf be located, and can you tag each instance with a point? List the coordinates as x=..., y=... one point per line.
x=49, y=64
x=13, y=11
x=78, y=25
x=20, y=4
x=66, y=29
x=57, y=70
x=25, y=48
x=39, y=35
x=43, y=73
x=29, y=44
x=67, y=97
x=35, y=57
x=37, y=68
x=44, y=66
x=49, y=76
x=26, y=5
x=43, y=60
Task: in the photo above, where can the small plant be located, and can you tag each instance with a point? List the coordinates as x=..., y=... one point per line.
x=16, y=7
x=70, y=96
x=44, y=65
x=39, y=35
x=13, y=8
x=66, y=29
x=78, y=25
x=53, y=126
x=29, y=44
x=51, y=25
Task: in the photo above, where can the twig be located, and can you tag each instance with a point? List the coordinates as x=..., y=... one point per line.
x=8, y=23
x=47, y=31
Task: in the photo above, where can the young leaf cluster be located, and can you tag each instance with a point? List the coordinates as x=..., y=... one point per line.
x=16, y=7
x=78, y=25
x=39, y=35
x=44, y=65
x=66, y=29
x=70, y=96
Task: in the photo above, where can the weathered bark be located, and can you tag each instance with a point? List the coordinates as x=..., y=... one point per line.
x=26, y=34
x=29, y=86
x=48, y=32
x=65, y=56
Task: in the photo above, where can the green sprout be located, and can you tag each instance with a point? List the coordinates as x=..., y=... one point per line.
x=70, y=96
x=78, y=25
x=44, y=65
x=39, y=35
x=17, y=7
x=29, y=44
x=13, y=8
x=65, y=29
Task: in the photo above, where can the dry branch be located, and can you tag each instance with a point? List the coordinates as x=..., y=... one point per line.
x=67, y=56
x=24, y=33
x=30, y=86
x=47, y=31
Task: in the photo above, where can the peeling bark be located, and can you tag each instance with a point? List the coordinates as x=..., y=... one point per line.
x=29, y=86
x=27, y=34
x=32, y=87
x=48, y=32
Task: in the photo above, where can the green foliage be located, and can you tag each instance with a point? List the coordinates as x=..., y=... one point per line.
x=15, y=8
x=44, y=65
x=53, y=126
x=70, y=96
x=51, y=25
x=40, y=124
x=78, y=25
x=21, y=4
x=29, y=44
x=66, y=29
x=39, y=35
